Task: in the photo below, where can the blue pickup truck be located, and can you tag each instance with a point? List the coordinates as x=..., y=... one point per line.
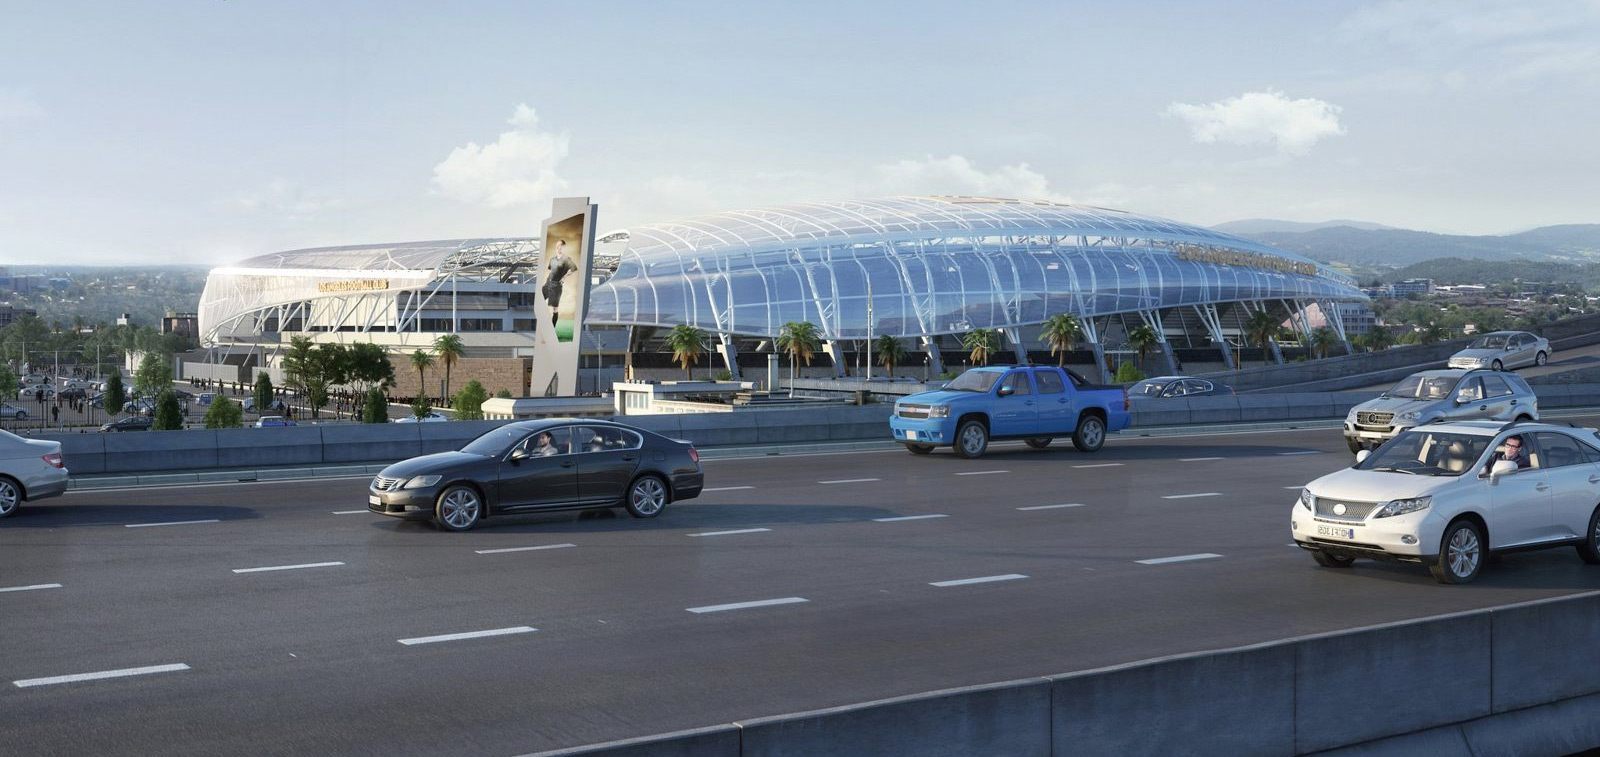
x=1035, y=404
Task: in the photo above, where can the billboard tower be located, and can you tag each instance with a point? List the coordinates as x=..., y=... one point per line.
x=566, y=265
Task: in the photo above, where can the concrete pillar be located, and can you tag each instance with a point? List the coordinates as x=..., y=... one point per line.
x=730, y=355
x=835, y=351
x=773, y=368
x=935, y=360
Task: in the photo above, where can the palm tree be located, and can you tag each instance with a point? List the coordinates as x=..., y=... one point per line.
x=1379, y=339
x=801, y=340
x=1143, y=338
x=1322, y=339
x=981, y=342
x=448, y=348
x=687, y=344
x=1259, y=329
x=1433, y=333
x=1062, y=333
x=890, y=353
x=422, y=361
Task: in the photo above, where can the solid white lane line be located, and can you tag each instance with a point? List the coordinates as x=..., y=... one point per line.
x=350, y=512
x=907, y=517
x=1192, y=496
x=34, y=587
x=850, y=481
x=123, y=673
x=1098, y=465
x=1297, y=486
x=287, y=567
x=1196, y=459
x=1052, y=507
x=981, y=472
x=1303, y=452
x=466, y=635
x=725, y=489
x=171, y=523
x=1179, y=558
x=730, y=533
x=522, y=549
x=747, y=605
x=983, y=580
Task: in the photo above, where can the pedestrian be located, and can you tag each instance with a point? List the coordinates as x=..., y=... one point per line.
x=55, y=414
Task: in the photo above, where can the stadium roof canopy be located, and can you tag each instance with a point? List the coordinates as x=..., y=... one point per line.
x=435, y=257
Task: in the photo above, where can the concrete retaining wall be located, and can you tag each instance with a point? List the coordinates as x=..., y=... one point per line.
x=1502, y=681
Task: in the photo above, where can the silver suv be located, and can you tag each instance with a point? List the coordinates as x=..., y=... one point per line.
x=1442, y=395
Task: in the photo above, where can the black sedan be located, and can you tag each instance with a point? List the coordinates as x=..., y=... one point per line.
x=549, y=464
x=1167, y=387
x=130, y=423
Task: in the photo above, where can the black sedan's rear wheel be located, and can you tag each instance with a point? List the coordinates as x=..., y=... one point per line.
x=1039, y=442
x=647, y=497
x=458, y=508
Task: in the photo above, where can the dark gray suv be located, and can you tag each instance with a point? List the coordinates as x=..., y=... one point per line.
x=551, y=464
x=1440, y=395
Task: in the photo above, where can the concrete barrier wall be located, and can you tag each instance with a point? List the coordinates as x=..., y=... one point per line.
x=1511, y=680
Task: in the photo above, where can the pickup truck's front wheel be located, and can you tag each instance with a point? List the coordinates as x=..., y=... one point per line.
x=1091, y=434
x=971, y=439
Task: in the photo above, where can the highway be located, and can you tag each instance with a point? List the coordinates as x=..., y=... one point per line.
x=1561, y=362
x=282, y=617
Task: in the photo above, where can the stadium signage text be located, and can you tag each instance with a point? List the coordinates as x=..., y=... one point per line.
x=1201, y=254
x=353, y=285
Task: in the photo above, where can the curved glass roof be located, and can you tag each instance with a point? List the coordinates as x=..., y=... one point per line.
x=431, y=256
x=936, y=265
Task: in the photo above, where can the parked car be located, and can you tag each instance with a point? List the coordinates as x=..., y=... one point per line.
x=30, y=469
x=73, y=393
x=1035, y=404
x=1501, y=350
x=33, y=391
x=1438, y=495
x=206, y=399
x=130, y=423
x=13, y=412
x=1439, y=395
x=271, y=421
x=433, y=416
x=276, y=406
x=549, y=464
x=1166, y=387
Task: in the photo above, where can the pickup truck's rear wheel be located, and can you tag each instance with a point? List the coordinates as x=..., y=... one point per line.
x=1039, y=442
x=1091, y=433
x=920, y=449
x=971, y=439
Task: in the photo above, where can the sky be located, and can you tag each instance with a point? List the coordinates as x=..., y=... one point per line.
x=205, y=131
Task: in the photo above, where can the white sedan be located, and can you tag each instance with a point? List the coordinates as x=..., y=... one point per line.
x=30, y=469
x=431, y=417
x=1449, y=495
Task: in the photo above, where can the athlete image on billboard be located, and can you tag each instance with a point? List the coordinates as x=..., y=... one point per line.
x=562, y=268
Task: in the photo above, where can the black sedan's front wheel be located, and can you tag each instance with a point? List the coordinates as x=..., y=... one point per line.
x=459, y=508
x=647, y=497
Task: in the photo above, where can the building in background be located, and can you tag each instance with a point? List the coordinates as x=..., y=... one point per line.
x=186, y=325
x=9, y=313
x=1410, y=287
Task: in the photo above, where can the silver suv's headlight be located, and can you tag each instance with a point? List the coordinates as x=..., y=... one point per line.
x=939, y=411
x=1307, y=499
x=1403, y=506
x=422, y=482
x=1409, y=416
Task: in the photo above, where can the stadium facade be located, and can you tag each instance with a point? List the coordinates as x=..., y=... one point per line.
x=927, y=269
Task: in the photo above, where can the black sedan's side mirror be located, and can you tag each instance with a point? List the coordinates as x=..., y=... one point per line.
x=518, y=455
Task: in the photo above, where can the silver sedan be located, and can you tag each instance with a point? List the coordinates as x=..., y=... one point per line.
x=30, y=469
x=1503, y=350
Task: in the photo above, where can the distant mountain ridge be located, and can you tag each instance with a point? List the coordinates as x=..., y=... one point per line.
x=1394, y=248
x=1248, y=226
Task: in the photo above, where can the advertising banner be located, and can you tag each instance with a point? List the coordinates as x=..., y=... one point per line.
x=565, y=269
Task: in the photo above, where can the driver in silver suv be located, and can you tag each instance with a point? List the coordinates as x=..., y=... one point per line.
x=1441, y=395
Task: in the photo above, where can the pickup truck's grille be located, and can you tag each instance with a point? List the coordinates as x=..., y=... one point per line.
x=1354, y=512
x=912, y=411
x=1369, y=418
x=382, y=484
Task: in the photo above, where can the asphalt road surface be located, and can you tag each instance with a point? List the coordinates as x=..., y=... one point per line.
x=283, y=618
x=1561, y=362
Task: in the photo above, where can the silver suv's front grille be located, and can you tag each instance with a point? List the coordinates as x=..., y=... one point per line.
x=1369, y=418
x=1354, y=512
x=381, y=484
x=912, y=411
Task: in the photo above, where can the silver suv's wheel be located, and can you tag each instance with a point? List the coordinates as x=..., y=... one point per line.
x=646, y=497
x=971, y=439
x=1461, y=554
x=459, y=508
x=1589, y=550
x=1091, y=434
x=10, y=496
x=1499, y=366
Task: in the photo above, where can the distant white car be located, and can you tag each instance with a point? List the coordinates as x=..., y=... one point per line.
x=1502, y=350
x=31, y=391
x=431, y=417
x=12, y=412
x=1442, y=495
x=30, y=469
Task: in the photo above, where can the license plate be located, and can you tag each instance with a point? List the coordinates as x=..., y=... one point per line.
x=911, y=434
x=374, y=500
x=1348, y=534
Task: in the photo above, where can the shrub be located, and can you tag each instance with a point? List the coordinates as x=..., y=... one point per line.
x=224, y=413
x=169, y=417
x=375, y=409
x=469, y=401
x=1128, y=373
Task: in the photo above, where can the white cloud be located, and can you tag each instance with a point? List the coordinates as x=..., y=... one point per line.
x=519, y=168
x=286, y=199
x=1293, y=126
x=956, y=175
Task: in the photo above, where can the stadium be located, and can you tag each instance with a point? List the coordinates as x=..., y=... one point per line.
x=926, y=269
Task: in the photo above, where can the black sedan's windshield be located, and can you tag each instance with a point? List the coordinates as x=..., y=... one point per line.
x=1423, y=453
x=495, y=443
x=974, y=381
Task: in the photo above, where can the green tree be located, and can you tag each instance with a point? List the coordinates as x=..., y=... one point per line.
x=224, y=413
x=1128, y=373
x=1379, y=339
x=1062, y=333
x=169, y=417
x=1433, y=333
x=687, y=344
x=421, y=361
x=1143, y=338
x=468, y=402
x=1259, y=330
x=115, y=395
x=154, y=374
x=980, y=343
x=890, y=352
x=296, y=361
x=326, y=366
x=263, y=392
x=1323, y=338
x=448, y=348
x=370, y=366
x=503, y=394
x=801, y=340
x=421, y=406
x=9, y=384
x=376, y=407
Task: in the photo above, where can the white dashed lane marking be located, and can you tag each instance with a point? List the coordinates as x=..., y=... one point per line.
x=466, y=635
x=34, y=587
x=171, y=523
x=1098, y=465
x=1303, y=452
x=287, y=567
x=725, y=489
x=981, y=472
x=731, y=533
x=981, y=580
x=850, y=481
x=1196, y=459
x=504, y=550
x=907, y=517
x=1179, y=558
x=1192, y=496
x=747, y=605
x=104, y=674
x=1051, y=507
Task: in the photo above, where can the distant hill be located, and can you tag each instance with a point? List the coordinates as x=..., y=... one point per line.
x=1251, y=226
x=1459, y=271
x=1397, y=248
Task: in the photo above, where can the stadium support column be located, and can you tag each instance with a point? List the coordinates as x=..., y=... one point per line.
x=1018, y=349
x=1272, y=342
x=730, y=355
x=772, y=372
x=935, y=360
x=1336, y=320
x=1091, y=333
x=1208, y=316
x=835, y=352
x=1152, y=318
